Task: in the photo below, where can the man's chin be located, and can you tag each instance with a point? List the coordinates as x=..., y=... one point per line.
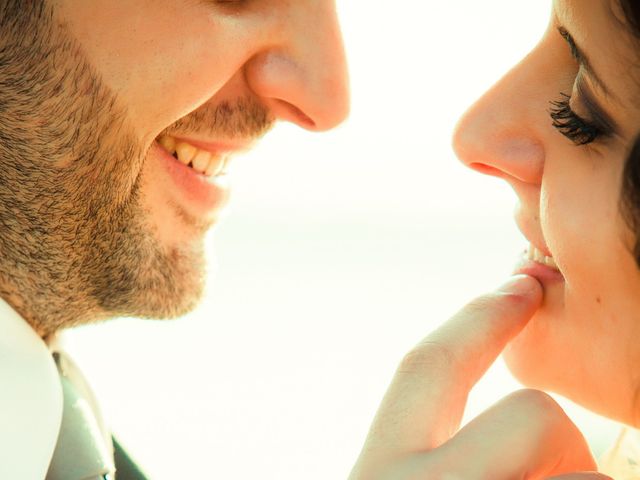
x=167, y=307
x=163, y=285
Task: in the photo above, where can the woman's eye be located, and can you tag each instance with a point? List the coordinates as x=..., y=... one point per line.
x=570, y=124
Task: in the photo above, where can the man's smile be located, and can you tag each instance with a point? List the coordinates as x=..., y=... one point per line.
x=210, y=163
x=198, y=177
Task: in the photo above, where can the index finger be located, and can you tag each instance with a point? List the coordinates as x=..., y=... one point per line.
x=424, y=405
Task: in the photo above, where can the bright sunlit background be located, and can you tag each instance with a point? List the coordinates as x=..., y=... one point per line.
x=341, y=251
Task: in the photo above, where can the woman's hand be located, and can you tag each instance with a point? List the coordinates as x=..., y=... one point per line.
x=525, y=435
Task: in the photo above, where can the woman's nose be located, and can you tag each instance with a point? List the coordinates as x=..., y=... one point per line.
x=499, y=134
x=303, y=78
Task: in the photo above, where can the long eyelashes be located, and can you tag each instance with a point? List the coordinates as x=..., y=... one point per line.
x=571, y=125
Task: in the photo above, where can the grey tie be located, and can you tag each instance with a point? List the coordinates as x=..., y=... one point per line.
x=84, y=450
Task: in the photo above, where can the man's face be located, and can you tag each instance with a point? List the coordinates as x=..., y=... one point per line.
x=117, y=122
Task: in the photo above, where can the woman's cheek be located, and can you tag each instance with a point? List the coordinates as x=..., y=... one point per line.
x=548, y=342
x=571, y=216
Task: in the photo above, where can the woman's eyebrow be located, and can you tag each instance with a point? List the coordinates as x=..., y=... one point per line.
x=583, y=61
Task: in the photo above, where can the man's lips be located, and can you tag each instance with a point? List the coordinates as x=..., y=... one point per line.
x=218, y=147
x=197, y=182
x=208, y=158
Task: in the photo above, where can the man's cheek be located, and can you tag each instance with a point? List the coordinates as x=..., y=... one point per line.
x=164, y=94
x=180, y=69
x=161, y=63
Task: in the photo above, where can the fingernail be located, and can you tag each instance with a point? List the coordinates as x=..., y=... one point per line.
x=519, y=285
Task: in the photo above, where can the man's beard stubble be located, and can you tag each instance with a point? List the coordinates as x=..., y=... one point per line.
x=75, y=243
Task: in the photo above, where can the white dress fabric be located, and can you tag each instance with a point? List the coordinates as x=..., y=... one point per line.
x=622, y=460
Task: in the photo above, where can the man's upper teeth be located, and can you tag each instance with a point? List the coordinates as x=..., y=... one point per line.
x=537, y=256
x=210, y=164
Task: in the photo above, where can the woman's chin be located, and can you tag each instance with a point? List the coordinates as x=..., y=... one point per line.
x=550, y=354
x=527, y=358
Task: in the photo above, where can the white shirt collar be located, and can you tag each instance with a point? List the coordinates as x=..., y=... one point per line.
x=31, y=400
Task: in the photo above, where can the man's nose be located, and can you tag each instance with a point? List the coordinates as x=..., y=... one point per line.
x=302, y=76
x=500, y=134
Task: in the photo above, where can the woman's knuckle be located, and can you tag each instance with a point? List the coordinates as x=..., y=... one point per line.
x=479, y=304
x=428, y=356
x=420, y=466
x=533, y=399
x=538, y=403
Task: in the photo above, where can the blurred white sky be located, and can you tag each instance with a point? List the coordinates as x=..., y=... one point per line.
x=340, y=252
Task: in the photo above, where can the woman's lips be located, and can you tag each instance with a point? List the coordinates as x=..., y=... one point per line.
x=200, y=195
x=535, y=263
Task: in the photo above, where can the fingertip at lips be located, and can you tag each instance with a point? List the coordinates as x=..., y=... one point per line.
x=521, y=285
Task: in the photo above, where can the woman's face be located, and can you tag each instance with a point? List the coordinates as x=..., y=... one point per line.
x=584, y=342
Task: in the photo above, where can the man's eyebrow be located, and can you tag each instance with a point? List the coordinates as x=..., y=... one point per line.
x=583, y=60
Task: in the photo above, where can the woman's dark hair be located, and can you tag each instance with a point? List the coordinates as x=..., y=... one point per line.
x=630, y=197
x=631, y=9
